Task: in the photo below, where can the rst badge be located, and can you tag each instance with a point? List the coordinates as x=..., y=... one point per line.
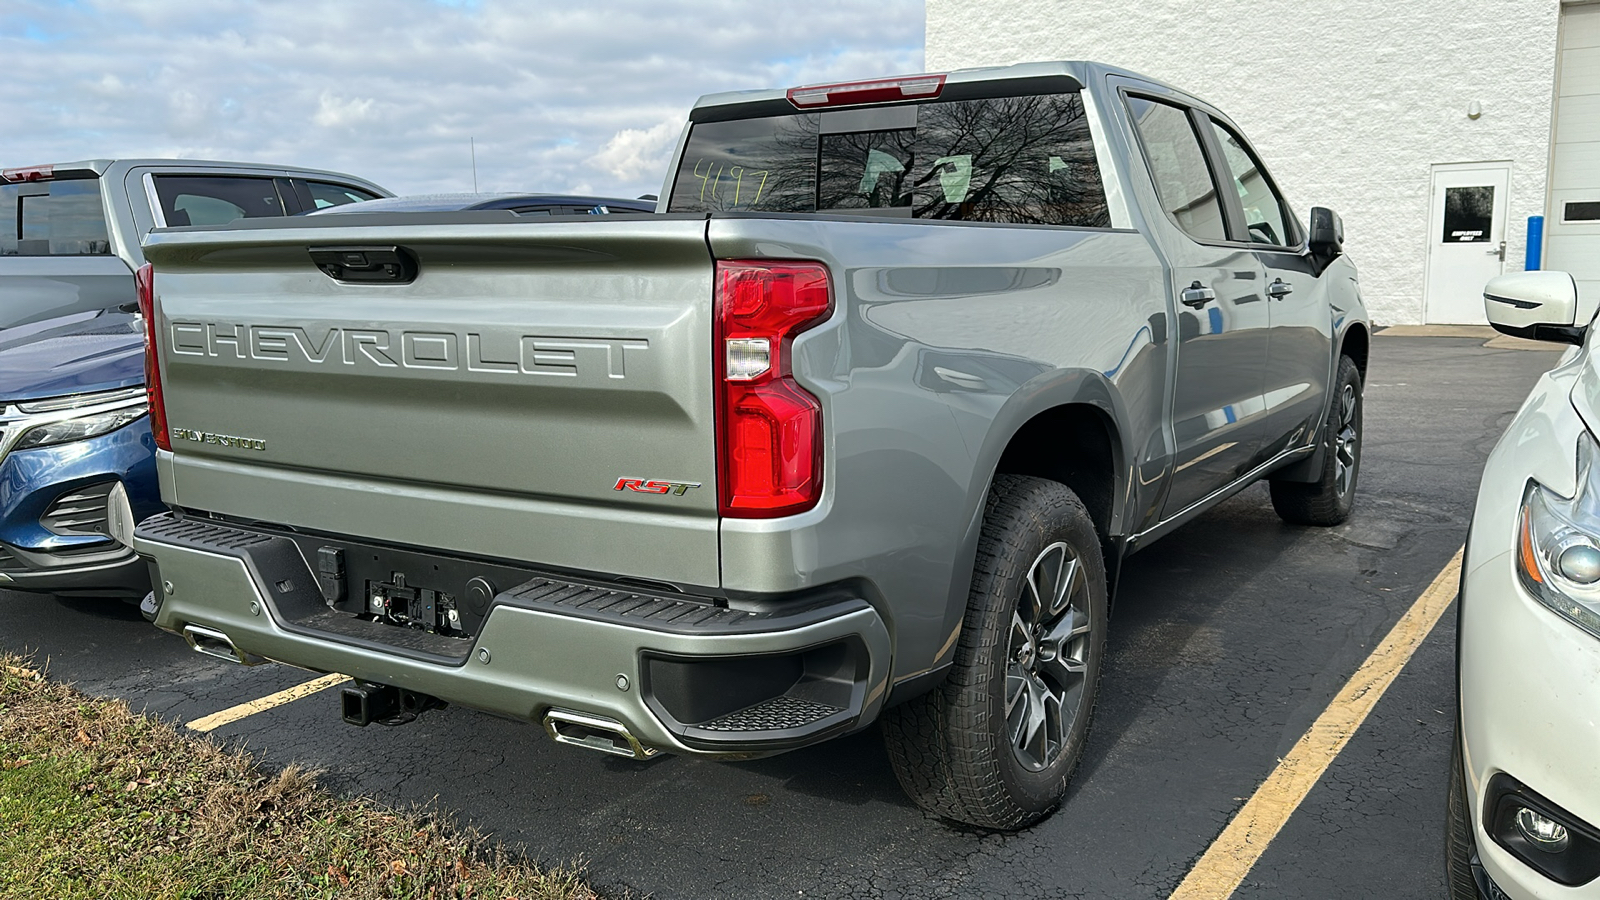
x=645, y=486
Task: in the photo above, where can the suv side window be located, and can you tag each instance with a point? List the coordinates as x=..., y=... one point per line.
x=1265, y=215
x=1178, y=166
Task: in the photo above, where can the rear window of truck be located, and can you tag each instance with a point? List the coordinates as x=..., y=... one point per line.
x=1022, y=160
x=53, y=218
x=216, y=199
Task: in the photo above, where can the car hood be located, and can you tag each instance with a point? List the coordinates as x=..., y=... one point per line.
x=71, y=354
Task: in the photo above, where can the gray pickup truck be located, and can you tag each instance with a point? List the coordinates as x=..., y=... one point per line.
x=69, y=232
x=860, y=427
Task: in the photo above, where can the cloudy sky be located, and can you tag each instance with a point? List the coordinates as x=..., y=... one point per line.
x=581, y=97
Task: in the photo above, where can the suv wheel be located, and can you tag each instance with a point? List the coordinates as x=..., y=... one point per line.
x=1460, y=850
x=996, y=743
x=1328, y=500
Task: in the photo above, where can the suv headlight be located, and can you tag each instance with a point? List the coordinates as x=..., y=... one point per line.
x=1558, y=543
x=64, y=430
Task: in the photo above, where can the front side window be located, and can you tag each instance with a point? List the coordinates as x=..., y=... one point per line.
x=216, y=199
x=53, y=218
x=1019, y=160
x=1265, y=215
x=1178, y=166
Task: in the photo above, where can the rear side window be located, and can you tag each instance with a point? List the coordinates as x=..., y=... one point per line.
x=53, y=218
x=216, y=199
x=325, y=194
x=1178, y=167
x=1022, y=160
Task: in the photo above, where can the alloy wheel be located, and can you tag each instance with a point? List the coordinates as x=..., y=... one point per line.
x=1047, y=662
x=1346, y=441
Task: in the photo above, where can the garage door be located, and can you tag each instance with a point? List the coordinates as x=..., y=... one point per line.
x=1573, y=222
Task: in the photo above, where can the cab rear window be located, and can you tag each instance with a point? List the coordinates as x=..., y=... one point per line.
x=53, y=218
x=1022, y=160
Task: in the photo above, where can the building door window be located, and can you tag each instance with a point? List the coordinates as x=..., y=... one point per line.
x=1466, y=239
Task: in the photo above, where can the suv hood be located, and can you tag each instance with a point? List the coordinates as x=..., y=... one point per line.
x=72, y=354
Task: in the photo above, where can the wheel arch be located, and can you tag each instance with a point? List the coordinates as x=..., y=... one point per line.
x=1085, y=407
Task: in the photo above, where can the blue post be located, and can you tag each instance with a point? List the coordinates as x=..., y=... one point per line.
x=1535, y=244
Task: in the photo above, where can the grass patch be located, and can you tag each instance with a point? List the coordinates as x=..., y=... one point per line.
x=97, y=801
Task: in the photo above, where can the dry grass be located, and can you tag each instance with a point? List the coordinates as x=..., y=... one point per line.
x=96, y=801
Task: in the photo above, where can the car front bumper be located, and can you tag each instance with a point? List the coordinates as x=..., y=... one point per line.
x=1530, y=708
x=85, y=561
x=678, y=674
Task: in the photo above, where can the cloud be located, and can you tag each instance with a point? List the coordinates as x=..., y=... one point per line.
x=633, y=154
x=555, y=96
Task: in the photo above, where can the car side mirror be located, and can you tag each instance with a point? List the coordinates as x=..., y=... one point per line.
x=1326, y=240
x=1540, y=306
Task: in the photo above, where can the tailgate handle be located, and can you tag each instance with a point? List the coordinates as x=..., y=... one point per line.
x=366, y=265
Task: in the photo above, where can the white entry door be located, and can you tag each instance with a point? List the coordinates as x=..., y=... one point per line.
x=1466, y=240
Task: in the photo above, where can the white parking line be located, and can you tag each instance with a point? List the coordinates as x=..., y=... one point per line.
x=235, y=713
x=1229, y=858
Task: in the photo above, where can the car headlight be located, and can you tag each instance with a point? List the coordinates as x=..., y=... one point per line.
x=1558, y=543
x=64, y=430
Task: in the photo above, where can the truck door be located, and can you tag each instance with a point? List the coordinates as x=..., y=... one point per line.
x=1300, y=342
x=1220, y=305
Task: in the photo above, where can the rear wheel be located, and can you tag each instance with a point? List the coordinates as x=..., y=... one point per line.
x=995, y=745
x=1329, y=499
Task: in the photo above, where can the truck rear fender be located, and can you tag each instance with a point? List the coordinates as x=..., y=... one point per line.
x=1068, y=426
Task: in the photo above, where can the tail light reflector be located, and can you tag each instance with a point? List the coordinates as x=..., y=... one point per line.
x=769, y=428
x=145, y=278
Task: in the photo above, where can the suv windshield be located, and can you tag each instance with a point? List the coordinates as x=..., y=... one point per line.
x=1025, y=160
x=53, y=218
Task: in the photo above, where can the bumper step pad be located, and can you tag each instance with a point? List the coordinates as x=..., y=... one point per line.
x=777, y=714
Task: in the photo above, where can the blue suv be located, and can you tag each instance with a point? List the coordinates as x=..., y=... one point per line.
x=77, y=459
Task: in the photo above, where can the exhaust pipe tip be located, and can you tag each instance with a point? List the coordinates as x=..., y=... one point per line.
x=595, y=733
x=211, y=642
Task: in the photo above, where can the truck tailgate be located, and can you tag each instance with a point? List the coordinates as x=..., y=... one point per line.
x=492, y=405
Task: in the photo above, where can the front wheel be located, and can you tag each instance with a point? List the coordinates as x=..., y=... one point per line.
x=996, y=743
x=1459, y=846
x=1329, y=499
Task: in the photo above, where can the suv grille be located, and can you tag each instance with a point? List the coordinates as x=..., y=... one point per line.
x=82, y=511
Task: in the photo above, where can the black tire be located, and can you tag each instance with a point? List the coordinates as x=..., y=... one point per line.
x=1329, y=499
x=962, y=751
x=1460, y=849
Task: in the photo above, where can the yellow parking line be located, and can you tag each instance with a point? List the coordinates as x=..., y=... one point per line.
x=235, y=713
x=1229, y=858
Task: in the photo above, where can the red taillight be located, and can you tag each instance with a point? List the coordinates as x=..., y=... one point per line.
x=145, y=278
x=769, y=429
x=855, y=93
x=28, y=173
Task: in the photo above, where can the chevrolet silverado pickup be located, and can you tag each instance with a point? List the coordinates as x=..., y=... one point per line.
x=860, y=427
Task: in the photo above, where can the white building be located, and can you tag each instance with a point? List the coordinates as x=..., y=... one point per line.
x=1385, y=110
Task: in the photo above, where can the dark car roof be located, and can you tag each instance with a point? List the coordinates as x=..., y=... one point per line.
x=516, y=202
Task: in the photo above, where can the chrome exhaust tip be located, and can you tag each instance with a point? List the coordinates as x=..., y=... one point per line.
x=595, y=733
x=211, y=642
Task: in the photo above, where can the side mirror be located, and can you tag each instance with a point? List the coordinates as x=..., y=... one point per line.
x=1326, y=239
x=1540, y=306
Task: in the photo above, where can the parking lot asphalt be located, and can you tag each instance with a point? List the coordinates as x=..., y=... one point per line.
x=1229, y=637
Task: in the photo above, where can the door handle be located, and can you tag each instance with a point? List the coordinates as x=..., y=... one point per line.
x=1279, y=289
x=1197, y=295
x=1499, y=251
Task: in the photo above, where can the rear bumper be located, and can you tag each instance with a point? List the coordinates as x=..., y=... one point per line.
x=679, y=673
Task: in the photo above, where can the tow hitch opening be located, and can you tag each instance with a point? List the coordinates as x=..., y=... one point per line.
x=364, y=703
